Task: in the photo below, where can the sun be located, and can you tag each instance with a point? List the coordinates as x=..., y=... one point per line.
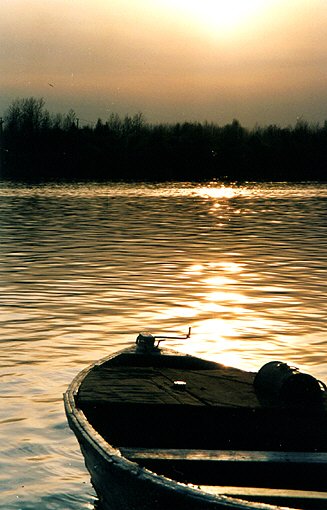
x=221, y=16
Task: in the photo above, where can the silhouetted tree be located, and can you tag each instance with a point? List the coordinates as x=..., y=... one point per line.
x=27, y=115
x=44, y=146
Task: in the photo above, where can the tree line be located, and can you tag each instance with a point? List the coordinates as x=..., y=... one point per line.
x=39, y=146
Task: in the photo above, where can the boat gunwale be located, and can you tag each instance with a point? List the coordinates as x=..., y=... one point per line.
x=82, y=427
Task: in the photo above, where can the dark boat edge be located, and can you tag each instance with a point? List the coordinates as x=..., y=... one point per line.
x=104, y=461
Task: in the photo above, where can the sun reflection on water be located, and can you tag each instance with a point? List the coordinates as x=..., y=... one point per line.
x=227, y=321
x=218, y=192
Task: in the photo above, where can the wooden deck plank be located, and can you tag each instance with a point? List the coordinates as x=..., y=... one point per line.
x=131, y=386
x=219, y=387
x=257, y=457
x=264, y=492
x=156, y=385
x=287, y=470
x=301, y=499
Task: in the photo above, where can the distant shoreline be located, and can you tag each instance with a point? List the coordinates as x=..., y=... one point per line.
x=37, y=146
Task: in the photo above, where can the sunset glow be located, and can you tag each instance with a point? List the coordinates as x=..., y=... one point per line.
x=257, y=61
x=222, y=16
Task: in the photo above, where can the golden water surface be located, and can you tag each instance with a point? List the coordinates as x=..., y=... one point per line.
x=84, y=268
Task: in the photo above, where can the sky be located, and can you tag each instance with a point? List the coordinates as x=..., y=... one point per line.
x=258, y=61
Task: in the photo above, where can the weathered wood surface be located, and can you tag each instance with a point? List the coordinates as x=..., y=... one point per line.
x=302, y=470
x=257, y=457
x=219, y=387
x=217, y=407
x=263, y=491
x=283, y=497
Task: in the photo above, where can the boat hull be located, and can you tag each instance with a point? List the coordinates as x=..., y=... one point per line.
x=121, y=484
x=124, y=485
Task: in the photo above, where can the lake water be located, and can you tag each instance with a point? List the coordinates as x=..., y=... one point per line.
x=84, y=268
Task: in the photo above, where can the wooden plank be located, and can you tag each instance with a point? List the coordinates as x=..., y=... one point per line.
x=263, y=492
x=280, y=470
x=219, y=387
x=259, y=457
x=132, y=385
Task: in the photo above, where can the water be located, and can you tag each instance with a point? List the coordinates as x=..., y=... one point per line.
x=84, y=268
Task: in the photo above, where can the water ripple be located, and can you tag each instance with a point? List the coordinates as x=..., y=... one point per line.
x=83, y=268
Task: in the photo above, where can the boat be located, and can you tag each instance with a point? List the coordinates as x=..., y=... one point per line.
x=163, y=430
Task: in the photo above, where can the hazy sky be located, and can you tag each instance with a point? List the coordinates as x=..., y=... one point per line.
x=259, y=61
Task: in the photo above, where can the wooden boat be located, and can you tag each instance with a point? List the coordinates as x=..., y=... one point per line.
x=163, y=430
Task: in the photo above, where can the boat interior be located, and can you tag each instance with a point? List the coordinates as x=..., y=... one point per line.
x=200, y=422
